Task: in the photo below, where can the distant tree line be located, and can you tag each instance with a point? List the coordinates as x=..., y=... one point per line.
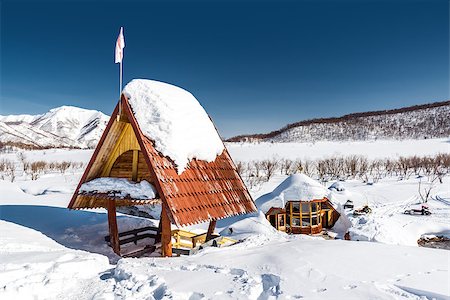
x=9, y=169
x=346, y=167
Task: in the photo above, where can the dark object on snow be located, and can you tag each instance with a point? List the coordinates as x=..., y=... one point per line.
x=348, y=204
x=362, y=211
x=437, y=242
x=422, y=209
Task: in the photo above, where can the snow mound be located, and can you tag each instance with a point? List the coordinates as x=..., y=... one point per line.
x=245, y=226
x=343, y=224
x=337, y=186
x=298, y=187
x=174, y=120
x=34, y=266
x=120, y=187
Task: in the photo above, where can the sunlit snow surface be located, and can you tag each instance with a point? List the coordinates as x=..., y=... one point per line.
x=174, y=120
x=49, y=252
x=120, y=187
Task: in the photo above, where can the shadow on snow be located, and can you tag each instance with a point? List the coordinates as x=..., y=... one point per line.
x=76, y=229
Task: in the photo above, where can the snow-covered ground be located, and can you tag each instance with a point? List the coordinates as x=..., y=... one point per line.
x=47, y=251
x=371, y=149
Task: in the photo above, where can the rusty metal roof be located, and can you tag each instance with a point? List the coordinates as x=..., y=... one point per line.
x=204, y=191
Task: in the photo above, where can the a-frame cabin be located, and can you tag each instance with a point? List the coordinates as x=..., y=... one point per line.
x=204, y=191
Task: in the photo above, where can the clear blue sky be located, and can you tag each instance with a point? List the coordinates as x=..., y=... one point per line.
x=254, y=65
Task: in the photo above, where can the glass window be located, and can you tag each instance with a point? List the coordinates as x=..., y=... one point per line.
x=295, y=221
x=314, y=220
x=305, y=222
x=305, y=207
x=281, y=220
x=313, y=207
x=295, y=207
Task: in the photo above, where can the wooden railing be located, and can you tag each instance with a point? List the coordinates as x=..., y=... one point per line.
x=132, y=236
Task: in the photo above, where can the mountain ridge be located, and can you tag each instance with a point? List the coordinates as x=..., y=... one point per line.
x=60, y=127
x=74, y=127
x=350, y=118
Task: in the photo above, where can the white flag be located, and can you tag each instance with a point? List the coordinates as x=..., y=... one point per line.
x=120, y=44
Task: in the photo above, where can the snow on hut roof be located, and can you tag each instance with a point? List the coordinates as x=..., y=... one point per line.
x=119, y=187
x=174, y=119
x=297, y=187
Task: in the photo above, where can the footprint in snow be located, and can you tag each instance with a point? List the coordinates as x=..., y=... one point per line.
x=349, y=287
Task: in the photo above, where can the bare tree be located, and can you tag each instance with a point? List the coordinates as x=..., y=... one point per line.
x=425, y=190
x=308, y=167
x=240, y=167
x=7, y=170
x=298, y=166
x=269, y=166
x=63, y=166
x=255, y=167
x=286, y=166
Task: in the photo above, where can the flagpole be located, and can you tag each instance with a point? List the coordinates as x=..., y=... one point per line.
x=120, y=92
x=120, y=89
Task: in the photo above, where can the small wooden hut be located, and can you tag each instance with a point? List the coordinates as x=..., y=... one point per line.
x=304, y=217
x=310, y=217
x=204, y=191
x=299, y=204
x=277, y=218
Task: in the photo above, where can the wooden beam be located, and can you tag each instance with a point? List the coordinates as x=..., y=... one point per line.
x=158, y=233
x=112, y=223
x=113, y=154
x=166, y=233
x=134, y=167
x=211, y=227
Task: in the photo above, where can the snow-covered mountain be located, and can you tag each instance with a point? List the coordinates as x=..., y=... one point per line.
x=69, y=126
x=65, y=126
x=414, y=122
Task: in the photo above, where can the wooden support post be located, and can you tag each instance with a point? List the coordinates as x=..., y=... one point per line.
x=158, y=233
x=211, y=227
x=166, y=233
x=112, y=223
x=134, y=168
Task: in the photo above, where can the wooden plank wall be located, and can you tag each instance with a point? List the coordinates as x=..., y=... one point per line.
x=123, y=167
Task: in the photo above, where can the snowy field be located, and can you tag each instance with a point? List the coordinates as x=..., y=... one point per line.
x=49, y=252
x=370, y=149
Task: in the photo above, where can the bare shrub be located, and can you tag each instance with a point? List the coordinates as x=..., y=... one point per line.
x=269, y=166
x=63, y=166
x=7, y=170
x=297, y=166
x=351, y=164
x=253, y=182
x=425, y=190
x=308, y=167
x=35, y=169
x=254, y=168
x=286, y=166
x=240, y=167
x=404, y=167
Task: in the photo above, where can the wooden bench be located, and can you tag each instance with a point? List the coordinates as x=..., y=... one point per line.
x=133, y=236
x=188, y=243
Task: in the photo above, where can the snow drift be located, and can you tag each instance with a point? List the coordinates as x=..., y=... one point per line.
x=295, y=187
x=174, y=120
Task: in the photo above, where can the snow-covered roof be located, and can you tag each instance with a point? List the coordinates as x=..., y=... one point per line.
x=297, y=187
x=174, y=120
x=119, y=187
